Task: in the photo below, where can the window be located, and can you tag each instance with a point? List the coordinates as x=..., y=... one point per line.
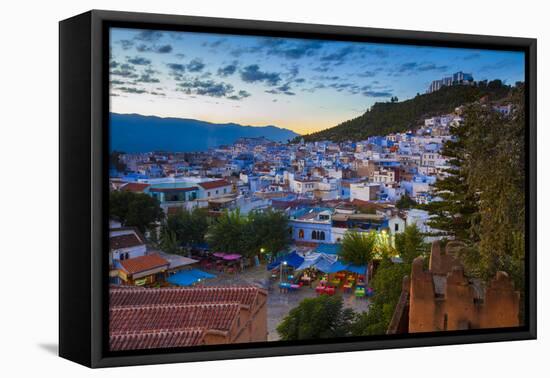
x=208, y=194
x=126, y=256
x=216, y=191
x=322, y=236
x=121, y=256
x=301, y=234
x=224, y=190
x=314, y=235
x=396, y=227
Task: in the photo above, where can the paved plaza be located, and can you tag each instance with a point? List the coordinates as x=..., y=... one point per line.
x=279, y=304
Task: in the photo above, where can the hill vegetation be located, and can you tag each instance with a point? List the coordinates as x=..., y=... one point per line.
x=390, y=117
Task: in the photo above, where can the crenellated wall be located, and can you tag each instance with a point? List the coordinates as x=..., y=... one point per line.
x=443, y=298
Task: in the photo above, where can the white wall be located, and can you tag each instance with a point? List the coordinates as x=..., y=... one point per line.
x=29, y=131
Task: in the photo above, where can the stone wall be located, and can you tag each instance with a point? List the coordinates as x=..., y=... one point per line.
x=443, y=298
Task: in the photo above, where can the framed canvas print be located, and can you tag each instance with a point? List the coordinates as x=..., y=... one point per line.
x=233, y=188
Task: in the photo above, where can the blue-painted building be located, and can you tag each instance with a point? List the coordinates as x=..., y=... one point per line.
x=311, y=225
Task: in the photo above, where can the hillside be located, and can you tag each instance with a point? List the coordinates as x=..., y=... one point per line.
x=385, y=117
x=138, y=133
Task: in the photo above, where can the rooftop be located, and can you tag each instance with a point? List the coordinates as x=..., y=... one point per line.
x=214, y=184
x=124, y=241
x=132, y=296
x=143, y=263
x=157, y=339
x=134, y=187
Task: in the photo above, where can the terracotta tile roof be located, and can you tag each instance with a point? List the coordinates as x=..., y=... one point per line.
x=130, y=296
x=134, y=187
x=143, y=318
x=214, y=184
x=211, y=316
x=186, y=189
x=124, y=241
x=143, y=263
x=157, y=339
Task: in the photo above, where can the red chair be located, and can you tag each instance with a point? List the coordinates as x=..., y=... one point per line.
x=320, y=289
x=329, y=290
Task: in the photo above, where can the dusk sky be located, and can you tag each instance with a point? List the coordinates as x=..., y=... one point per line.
x=302, y=85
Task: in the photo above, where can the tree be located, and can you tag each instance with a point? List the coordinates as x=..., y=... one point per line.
x=135, y=209
x=496, y=171
x=266, y=230
x=189, y=227
x=410, y=244
x=315, y=318
x=358, y=247
x=169, y=241
x=387, y=283
x=227, y=233
x=484, y=195
x=456, y=214
x=405, y=202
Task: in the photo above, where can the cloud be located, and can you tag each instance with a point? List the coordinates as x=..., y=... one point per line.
x=339, y=56
x=163, y=49
x=176, y=70
x=370, y=93
x=324, y=67
x=160, y=49
x=283, y=89
x=215, y=43
x=139, y=61
x=126, y=44
x=148, y=36
x=131, y=90
x=240, y=95
x=211, y=88
x=472, y=56
x=252, y=74
x=176, y=67
x=196, y=65
x=496, y=65
x=415, y=67
x=227, y=70
x=282, y=47
x=367, y=74
x=147, y=78
x=125, y=70
x=327, y=77
x=290, y=49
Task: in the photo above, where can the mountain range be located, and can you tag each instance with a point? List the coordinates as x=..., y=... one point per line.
x=139, y=133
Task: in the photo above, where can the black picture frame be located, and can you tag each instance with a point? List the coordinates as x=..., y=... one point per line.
x=83, y=164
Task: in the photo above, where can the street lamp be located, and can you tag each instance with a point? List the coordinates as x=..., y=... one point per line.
x=281, y=273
